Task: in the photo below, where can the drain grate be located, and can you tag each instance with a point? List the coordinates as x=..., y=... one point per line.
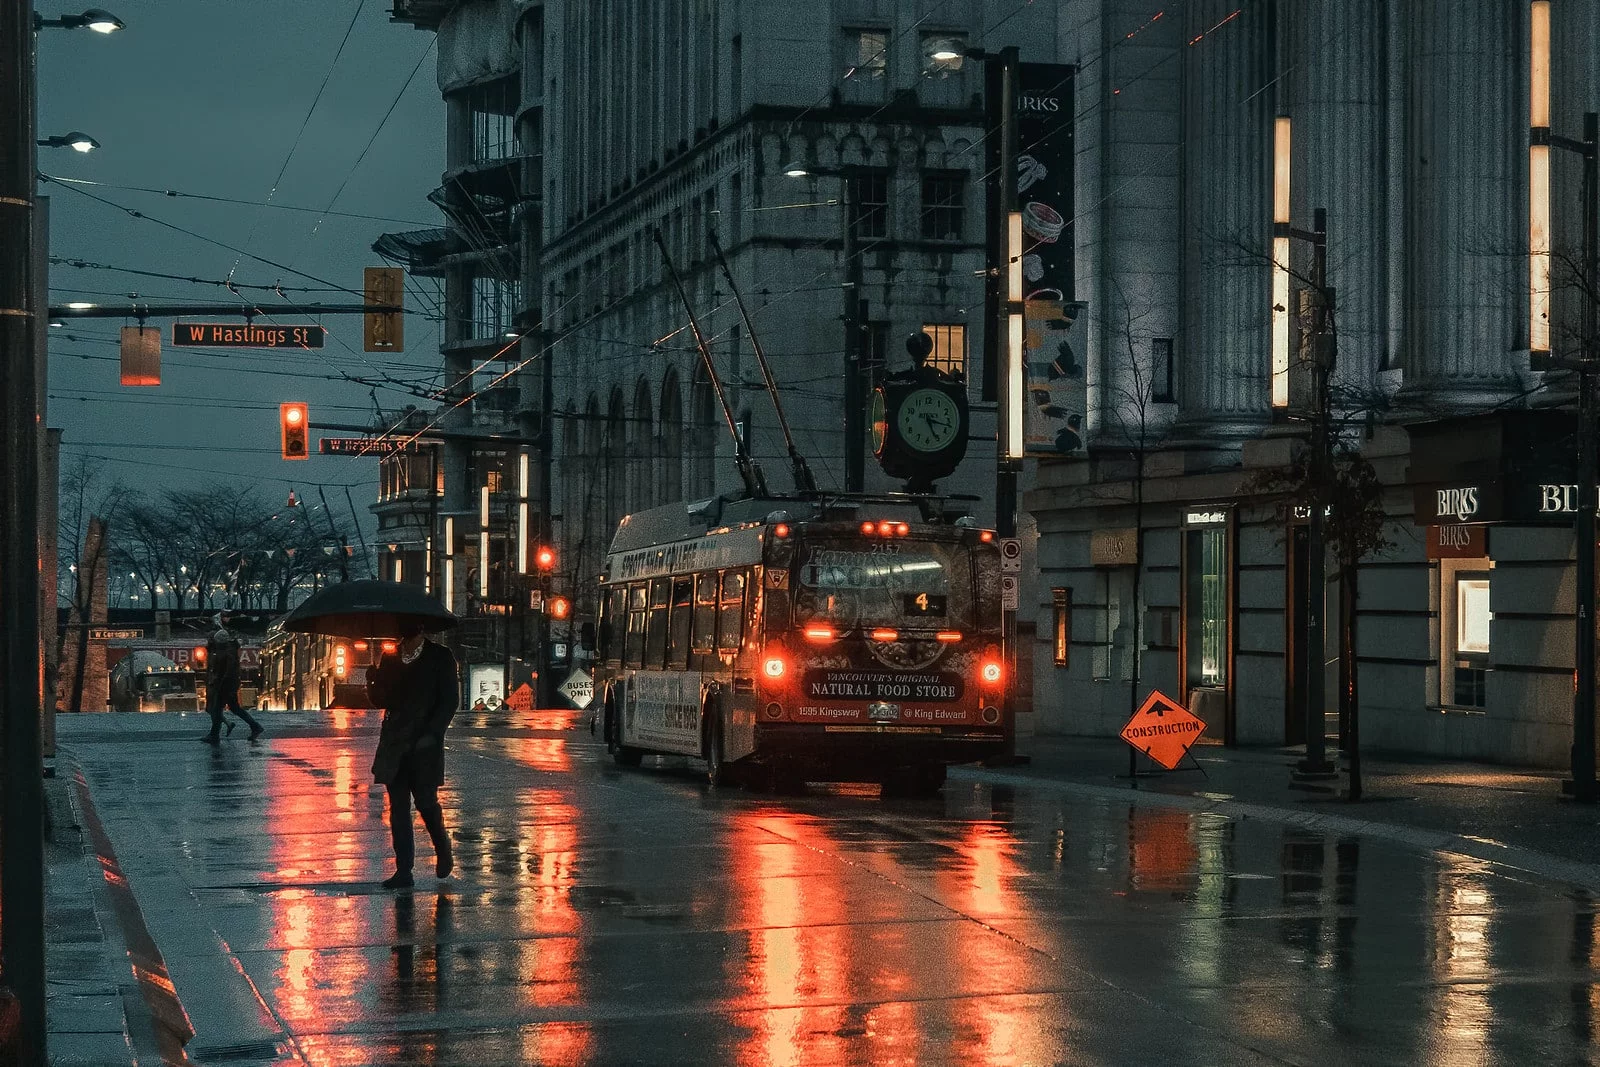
x=249, y=1051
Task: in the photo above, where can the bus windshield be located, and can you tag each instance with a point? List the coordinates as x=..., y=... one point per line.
x=904, y=584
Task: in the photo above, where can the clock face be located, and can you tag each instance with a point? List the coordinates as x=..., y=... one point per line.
x=929, y=420
x=880, y=422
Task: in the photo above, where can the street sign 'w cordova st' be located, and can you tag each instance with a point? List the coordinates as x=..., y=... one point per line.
x=246, y=335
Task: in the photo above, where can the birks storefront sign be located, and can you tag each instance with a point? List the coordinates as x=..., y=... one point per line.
x=1525, y=502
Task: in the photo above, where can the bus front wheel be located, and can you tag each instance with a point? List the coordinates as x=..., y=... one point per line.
x=621, y=754
x=717, y=771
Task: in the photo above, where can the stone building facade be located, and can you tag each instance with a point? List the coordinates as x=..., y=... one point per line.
x=1408, y=124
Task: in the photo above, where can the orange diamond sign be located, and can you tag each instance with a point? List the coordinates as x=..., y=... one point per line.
x=521, y=698
x=1163, y=730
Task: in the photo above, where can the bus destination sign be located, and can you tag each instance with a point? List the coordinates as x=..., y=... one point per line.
x=246, y=335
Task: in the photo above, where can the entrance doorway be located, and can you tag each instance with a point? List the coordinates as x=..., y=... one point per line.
x=1207, y=609
x=1295, y=615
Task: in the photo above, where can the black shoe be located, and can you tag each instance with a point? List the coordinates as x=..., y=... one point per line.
x=211, y=739
x=445, y=863
x=230, y=724
x=399, y=880
x=256, y=731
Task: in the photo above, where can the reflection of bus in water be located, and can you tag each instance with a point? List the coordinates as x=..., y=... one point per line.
x=145, y=680
x=849, y=639
x=312, y=672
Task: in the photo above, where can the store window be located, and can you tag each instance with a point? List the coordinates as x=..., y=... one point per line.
x=1061, y=601
x=1464, y=631
x=1206, y=576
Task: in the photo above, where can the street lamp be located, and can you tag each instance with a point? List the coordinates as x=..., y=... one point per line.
x=78, y=142
x=93, y=19
x=855, y=399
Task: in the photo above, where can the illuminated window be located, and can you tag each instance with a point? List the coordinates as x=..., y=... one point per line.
x=865, y=56
x=1465, y=627
x=1061, y=602
x=949, y=348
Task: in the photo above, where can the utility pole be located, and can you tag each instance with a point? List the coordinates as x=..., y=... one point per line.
x=22, y=957
x=1003, y=201
x=855, y=401
x=1316, y=764
x=1582, y=786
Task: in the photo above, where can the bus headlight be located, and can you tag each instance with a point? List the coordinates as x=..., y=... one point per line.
x=773, y=667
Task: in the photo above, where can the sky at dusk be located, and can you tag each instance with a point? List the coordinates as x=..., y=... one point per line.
x=208, y=97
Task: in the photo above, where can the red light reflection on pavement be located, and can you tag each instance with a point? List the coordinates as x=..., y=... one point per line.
x=544, y=753
x=1162, y=853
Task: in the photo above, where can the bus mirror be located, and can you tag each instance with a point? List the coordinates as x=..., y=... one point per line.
x=586, y=636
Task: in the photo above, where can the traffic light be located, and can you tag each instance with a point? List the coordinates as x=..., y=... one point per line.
x=560, y=607
x=544, y=558
x=293, y=420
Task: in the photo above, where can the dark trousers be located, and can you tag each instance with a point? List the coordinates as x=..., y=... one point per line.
x=220, y=697
x=402, y=791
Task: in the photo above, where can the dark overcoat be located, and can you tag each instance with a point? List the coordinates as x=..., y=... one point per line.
x=418, y=700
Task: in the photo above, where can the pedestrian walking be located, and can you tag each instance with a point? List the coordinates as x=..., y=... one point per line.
x=222, y=682
x=419, y=690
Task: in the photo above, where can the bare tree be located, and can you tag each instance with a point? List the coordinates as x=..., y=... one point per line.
x=89, y=504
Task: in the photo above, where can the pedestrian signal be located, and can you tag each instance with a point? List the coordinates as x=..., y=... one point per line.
x=293, y=425
x=560, y=607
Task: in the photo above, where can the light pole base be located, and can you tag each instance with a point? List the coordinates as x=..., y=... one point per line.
x=1318, y=771
x=1580, y=792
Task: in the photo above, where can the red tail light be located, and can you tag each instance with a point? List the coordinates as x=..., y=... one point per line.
x=360, y=646
x=868, y=528
x=901, y=528
x=886, y=635
x=991, y=672
x=819, y=633
x=885, y=528
x=391, y=646
x=986, y=536
x=948, y=637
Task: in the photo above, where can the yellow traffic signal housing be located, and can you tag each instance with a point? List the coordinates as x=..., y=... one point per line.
x=384, y=331
x=294, y=426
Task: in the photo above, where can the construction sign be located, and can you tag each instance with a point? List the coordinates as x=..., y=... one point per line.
x=1163, y=730
x=521, y=698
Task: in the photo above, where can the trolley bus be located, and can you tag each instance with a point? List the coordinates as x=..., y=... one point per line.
x=312, y=672
x=848, y=639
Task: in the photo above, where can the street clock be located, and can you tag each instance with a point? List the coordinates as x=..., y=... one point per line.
x=920, y=421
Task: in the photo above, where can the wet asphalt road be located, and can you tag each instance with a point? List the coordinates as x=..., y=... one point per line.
x=607, y=916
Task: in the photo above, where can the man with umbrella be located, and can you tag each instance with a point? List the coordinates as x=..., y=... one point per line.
x=419, y=689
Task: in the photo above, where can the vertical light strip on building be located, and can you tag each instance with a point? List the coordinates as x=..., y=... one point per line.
x=1280, y=262
x=522, y=512
x=427, y=571
x=483, y=543
x=1014, y=370
x=1539, y=180
x=449, y=563
x=399, y=569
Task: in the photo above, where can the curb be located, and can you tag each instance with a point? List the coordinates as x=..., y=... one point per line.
x=162, y=1028
x=1524, y=860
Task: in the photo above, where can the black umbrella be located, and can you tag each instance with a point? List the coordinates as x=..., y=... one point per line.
x=368, y=608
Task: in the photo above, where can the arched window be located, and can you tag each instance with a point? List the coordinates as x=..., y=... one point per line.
x=613, y=467
x=703, y=430
x=669, y=455
x=640, y=442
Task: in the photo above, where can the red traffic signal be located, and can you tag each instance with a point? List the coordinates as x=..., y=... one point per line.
x=544, y=558
x=294, y=427
x=560, y=607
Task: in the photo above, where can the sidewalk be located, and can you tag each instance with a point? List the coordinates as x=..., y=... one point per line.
x=109, y=1000
x=1507, y=815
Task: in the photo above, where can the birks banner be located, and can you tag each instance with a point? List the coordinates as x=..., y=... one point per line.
x=1053, y=350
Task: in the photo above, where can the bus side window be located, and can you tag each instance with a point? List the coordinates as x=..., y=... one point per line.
x=704, y=636
x=730, y=617
x=638, y=603
x=612, y=622
x=678, y=631
x=655, y=629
